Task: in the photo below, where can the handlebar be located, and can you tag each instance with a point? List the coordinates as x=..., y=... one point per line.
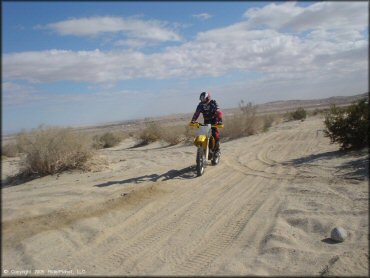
x=197, y=125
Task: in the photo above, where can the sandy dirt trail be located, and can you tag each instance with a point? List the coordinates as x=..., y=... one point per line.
x=266, y=209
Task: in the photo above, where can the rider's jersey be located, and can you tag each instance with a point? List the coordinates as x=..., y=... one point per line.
x=208, y=110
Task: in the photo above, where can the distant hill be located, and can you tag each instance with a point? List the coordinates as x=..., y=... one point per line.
x=331, y=100
x=288, y=105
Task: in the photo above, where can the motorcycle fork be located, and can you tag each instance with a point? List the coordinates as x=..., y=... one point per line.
x=206, y=151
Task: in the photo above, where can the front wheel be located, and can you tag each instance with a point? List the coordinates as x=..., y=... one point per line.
x=200, y=161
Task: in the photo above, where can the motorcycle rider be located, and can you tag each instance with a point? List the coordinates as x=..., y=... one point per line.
x=211, y=115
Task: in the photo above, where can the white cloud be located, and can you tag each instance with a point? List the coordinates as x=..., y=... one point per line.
x=17, y=94
x=134, y=43
x=273, y=15
x=323, y=15
x=321, y=51
x=202, y=16
x=134, y=28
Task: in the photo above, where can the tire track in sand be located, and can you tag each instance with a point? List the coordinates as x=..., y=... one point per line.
x=166, y=223
x=187, y=240
x=196, y=219
x=260, y=158
x=227, y=229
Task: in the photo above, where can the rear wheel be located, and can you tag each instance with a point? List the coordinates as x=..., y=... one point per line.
x=200, y=161
x=216, y=158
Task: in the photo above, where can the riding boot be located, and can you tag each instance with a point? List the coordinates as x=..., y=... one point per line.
x=217, y=147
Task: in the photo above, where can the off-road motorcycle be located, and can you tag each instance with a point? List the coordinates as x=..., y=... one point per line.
x=205, y=144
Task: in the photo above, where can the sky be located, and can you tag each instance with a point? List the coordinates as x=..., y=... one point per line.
x=85, y=63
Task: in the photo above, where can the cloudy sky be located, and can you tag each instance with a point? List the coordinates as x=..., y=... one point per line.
x=80, y=63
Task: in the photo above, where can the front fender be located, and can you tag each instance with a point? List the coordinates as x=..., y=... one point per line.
x=200, y=140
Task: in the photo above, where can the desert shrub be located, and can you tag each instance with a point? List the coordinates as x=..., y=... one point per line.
x=110, y=139
x=348, y=126
x=96, y=143
x=287, y=117
x=251, y=124
x=243, y=123
x=151, y=133
x=247, y=109
x=278, y=118
x=189, y=133
x=107, y=140
x=316, y=112
x=174, y=134
x=299, y=114
x=50, y=150
x=267, y=121
x=10, y=150
x=155, y=131
x=232, y=128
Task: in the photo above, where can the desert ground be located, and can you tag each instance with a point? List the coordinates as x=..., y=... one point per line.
x=267, y=209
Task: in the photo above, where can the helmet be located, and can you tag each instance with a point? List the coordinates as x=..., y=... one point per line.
x=205, y=97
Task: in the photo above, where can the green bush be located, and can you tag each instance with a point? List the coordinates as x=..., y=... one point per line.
x=348, y=126
x=299, y=114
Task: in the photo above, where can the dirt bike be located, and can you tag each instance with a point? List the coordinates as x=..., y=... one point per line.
x=205, y=144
